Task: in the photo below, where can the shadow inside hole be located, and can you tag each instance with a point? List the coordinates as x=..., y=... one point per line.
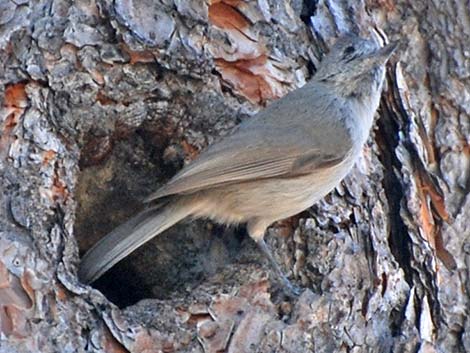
x=156, y=270
x=109, y=193
x=116, y=287
x=174, y=262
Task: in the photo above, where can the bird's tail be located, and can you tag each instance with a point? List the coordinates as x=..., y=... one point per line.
x=129, y=236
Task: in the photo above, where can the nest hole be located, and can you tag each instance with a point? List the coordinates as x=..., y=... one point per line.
x=110, y=192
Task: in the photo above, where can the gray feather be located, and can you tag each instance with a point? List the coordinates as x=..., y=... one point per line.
x=128, y=237
x=267, y=148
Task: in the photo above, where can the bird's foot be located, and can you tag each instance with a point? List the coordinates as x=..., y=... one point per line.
x=288, y=288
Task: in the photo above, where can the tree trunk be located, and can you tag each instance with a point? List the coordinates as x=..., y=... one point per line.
x=103, y=101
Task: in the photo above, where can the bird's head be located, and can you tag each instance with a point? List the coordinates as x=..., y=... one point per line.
x=354, y=66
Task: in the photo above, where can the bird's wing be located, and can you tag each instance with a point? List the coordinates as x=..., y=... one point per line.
x=259, y=152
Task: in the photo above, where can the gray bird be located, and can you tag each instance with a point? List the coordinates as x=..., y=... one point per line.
x=274, y=165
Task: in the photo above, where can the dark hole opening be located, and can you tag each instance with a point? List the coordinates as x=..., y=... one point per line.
x=110, y=192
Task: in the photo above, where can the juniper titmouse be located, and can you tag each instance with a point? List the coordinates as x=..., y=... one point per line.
x=275, y=165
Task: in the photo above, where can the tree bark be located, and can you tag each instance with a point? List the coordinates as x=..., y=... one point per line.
x=103, y=101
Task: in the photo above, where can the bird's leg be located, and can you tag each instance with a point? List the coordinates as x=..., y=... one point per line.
x=289, y=289
x=256, y=229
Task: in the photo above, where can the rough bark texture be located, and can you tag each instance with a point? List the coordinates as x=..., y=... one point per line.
x=102, y=101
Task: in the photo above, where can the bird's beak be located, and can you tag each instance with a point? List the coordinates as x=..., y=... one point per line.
x=378, y=57
x=384, y=53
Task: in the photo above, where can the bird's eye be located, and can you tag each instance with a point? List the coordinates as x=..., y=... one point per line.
x=349, y=50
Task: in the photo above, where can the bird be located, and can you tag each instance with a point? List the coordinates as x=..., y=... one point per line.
x=274, y=165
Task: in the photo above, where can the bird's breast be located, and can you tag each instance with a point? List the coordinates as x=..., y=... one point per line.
x=272, y=199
